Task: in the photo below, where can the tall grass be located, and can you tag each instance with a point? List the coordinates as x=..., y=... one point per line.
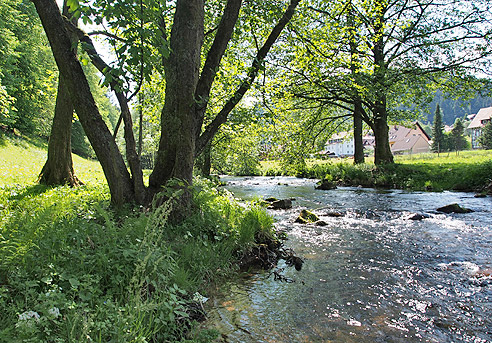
x=72, y=269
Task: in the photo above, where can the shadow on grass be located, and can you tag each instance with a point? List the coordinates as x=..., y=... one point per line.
x=33, y=190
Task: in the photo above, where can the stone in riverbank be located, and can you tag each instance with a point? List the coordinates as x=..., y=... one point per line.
x=454, y=208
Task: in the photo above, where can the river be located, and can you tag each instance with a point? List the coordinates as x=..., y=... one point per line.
x=371, y=275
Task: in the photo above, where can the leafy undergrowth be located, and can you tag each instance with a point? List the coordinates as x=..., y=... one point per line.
x=468, y=171
x=72, y=269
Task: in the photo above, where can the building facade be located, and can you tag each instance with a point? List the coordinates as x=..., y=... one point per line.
x=478, y=122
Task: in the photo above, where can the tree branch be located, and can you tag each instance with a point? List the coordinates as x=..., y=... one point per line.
x=221, y=117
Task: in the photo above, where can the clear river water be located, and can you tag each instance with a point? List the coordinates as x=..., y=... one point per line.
x=371, y=275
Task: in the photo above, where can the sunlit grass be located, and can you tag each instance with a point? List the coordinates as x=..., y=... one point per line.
x=21, y=163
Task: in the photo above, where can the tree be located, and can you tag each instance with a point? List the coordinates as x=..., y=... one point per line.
x=402, y=49
x=485, y=138
x=457, y=136
x=186, y=97
x=437, y=132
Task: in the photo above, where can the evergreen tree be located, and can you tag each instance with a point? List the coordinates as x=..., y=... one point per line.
x=485, y=139
x=457, y=136
x=437, y=132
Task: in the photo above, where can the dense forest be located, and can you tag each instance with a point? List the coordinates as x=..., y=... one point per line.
x=453, y=109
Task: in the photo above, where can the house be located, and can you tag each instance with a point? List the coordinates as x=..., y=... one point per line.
x=341, y=144
x=478, y=122
x=404, y=140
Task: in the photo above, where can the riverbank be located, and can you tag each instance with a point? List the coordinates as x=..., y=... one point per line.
x=74, y=269
x=470, y=171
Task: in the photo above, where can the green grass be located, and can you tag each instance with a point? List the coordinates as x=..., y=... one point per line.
x=466, y=171
x=113, y=276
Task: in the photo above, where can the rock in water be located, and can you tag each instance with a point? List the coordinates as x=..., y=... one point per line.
x=454, y=208
x=306, y=217
x=417, y=216
x=326, y=185
x=283, y=204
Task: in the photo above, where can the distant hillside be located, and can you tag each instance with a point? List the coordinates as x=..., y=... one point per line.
x=452, y=109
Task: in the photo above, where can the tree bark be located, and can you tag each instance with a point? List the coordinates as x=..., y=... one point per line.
x=203, y=161
x=382, y=149
x=58, y=168
x=175, y=157
x=115, y=171
x=358, y=141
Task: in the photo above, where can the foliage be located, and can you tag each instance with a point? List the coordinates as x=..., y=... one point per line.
x=390, y=56
x=73, y=269
x=239, y=145
x=485, y=139
x=27, y=70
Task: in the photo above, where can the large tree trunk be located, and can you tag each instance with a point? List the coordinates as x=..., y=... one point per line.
x=58, y=169
x=382, y=149
x=102, y=141
x=358, y=141
x=176, y=153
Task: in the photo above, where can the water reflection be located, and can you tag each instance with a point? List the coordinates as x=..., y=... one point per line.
x=369, y=276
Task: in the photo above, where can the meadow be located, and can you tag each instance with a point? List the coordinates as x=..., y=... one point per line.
x=74, y=269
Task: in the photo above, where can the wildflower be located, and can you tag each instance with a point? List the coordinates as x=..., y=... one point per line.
x=29, y=315
x=55, y=311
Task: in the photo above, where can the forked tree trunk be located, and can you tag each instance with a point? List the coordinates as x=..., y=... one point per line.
x=175, y=157
x=58, y=169
x=102, y=141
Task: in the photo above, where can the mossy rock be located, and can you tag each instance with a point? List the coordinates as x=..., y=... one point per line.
x=306, y=217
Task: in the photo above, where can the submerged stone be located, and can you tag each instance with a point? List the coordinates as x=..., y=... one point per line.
x=417, y=216
x=334, y=214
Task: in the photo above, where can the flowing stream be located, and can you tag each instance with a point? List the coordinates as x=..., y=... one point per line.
x=371, y=275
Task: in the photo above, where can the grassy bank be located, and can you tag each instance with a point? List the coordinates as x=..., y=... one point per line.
x=72, y=269
x=468, y=171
